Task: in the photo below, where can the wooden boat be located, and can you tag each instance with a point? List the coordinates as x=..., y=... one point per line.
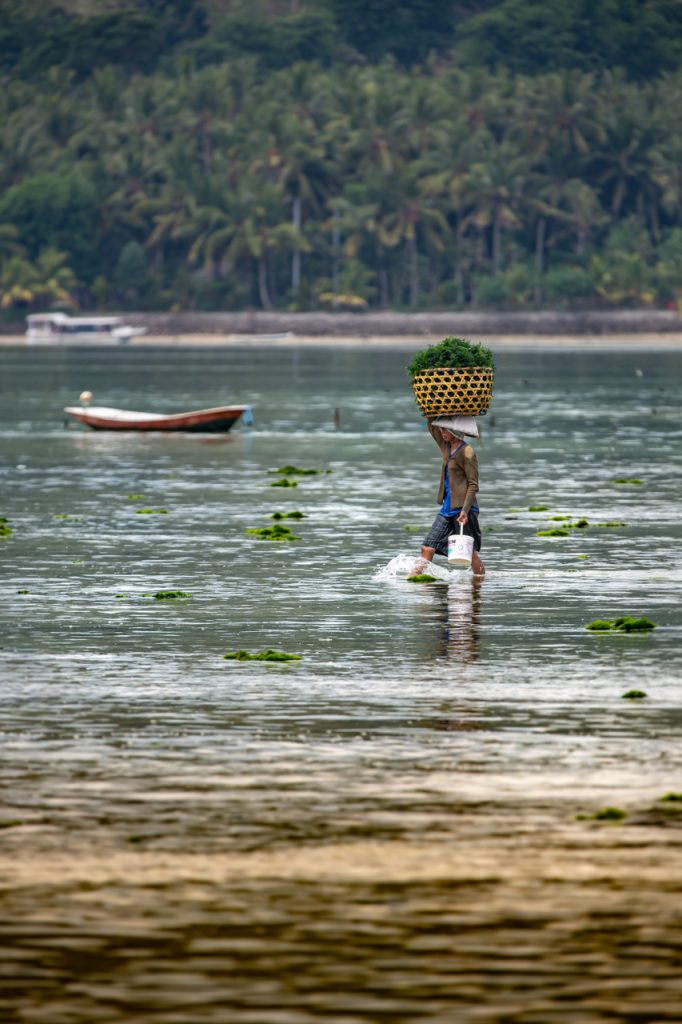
x=60, y=329
x=204, y=421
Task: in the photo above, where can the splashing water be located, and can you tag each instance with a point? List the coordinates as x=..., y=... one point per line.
x=405, y=565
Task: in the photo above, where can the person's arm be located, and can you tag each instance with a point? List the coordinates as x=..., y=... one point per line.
x=437, y=437
x=469, y=464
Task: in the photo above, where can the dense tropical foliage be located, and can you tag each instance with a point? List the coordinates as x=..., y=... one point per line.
x=187, y=155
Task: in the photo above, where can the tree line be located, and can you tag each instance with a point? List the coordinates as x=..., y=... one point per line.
x=236, y=183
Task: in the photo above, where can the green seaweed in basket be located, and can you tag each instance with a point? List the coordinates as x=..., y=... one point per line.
x=451, y=353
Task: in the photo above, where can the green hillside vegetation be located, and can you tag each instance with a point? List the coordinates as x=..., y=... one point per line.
x=332, y=154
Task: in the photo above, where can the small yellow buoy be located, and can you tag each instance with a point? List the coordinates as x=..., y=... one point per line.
x=85, y=397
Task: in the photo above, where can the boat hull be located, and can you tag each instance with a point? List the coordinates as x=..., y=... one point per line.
x=201, y=421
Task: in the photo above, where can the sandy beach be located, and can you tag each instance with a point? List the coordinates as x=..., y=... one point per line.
x=663, y=341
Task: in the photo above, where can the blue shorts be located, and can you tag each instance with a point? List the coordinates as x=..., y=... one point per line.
x=443, y=526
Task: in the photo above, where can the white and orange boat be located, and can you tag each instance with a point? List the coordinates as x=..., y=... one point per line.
x=205, y=421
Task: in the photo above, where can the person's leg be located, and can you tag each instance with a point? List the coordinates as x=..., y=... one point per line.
x=428, y=553
x=477, y=566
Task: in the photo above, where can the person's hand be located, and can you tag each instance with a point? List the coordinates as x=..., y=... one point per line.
x=462, y=518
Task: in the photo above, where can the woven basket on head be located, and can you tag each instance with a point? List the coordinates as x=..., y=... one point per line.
x=466, y=391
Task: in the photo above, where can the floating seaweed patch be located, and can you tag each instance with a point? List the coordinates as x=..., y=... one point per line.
x=581, y=524
x=296, y=471
x=671, y=798
x=610, y=814
x=170, y=595
x=24, y=591
x=284, y=483
x=537, y=508
x=613, y=525
x=5, y=529
x=134, y=497
x=408, y=528
x=629, y=480
x=267, y=655
x=288, y=515
x=581, y=556
x=557, y=519
x=624, y=624
x=422, y=577
x=65, y=515
x=554, y=532
x=275, y=532
x=634, y=695
x=151, y=511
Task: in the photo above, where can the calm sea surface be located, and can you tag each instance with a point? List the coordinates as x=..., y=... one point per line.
x=428, y=716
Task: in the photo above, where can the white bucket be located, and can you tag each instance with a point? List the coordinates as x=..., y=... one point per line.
x=460, y=549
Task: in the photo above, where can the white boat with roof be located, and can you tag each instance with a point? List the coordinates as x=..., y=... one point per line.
x=61, y=329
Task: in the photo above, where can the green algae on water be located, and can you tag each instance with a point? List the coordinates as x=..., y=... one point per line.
x=554, y=532
x=267, y=655
x=284, y=483
x=24, y=591
x=610, y=814
x=134, y=497
x=422, y=577
x=634, y=695
x=581, y=524
x=5, y=529
x=671, y=798
x=170, y=595
x=612, y=525
x=624, y=624
x=276, y=532
x=288, y=515
x=152, y=511
x=295, y=471
x=556, y=519
x=537, y=508
x=628, y=480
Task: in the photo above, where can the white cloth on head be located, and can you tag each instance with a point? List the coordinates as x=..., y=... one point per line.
x=462, y=426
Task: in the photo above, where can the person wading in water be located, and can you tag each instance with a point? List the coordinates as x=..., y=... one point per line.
x=457, y=492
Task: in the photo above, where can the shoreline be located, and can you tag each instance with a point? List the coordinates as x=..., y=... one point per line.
x=663, y=341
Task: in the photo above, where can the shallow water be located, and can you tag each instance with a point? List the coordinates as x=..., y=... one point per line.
x=442, y=715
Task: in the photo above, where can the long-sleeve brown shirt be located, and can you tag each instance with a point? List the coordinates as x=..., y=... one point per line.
x=462, y=469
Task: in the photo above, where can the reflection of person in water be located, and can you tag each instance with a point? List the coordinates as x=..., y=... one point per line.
x=460, y=638
x=458, y=489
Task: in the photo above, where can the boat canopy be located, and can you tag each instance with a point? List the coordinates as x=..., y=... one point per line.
x=61, y=320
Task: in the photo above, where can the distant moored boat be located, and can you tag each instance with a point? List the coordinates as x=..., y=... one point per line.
x=205, y=421
x=60, y=329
